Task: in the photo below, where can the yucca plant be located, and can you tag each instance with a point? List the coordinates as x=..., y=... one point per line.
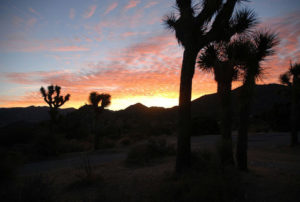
x=251, y=51
x=292, y=79
x=54, y=99
x=217, y=58
x=99, y=102
x=196, y=26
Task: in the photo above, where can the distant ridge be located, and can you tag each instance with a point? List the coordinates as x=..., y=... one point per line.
x=267, y=96
x=28, y=114
x=136, y=107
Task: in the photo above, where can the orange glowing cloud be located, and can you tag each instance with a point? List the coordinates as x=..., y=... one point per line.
x=149, y=72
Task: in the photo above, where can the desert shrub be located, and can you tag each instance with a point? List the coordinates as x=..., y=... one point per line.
x=85, y=175
x=17, y=133
x=10, y=161
x=224, y=148
x=205, y=126
x=38, y=188
x=48, y=144
x=86, y=171
x=159, y=129
x=125, y=141
x=106, y=143
x=143, y=153
x=78, y=131
x=75, y=145
x=205, y=181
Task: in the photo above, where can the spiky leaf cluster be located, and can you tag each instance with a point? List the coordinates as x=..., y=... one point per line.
x=53, y=97
x=244, y=53
x=99, y=101
x=198, y=24
x=293, y=72
x=249, y=51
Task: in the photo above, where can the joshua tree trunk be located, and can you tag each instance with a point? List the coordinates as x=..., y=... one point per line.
x=96, y=135
x=246, y=95
x=224, y=93
x=183, y=160
x=53, y=118
x=294, y=112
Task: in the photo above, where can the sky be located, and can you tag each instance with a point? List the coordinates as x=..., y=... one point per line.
x=120, y=47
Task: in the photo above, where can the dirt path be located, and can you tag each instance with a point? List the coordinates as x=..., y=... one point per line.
x=70, y=162
x=256, y=142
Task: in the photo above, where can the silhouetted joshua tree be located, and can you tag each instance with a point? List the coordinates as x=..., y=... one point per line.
x=292, y=79
x=251, y=51
x=195, y=27
x=99, y=102
x=217, y=58
x=53, y=98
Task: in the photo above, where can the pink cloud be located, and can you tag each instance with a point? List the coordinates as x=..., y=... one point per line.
x=144, y=69
x=130, y=34
x=51, y=45
x=90, y=12
x=31, y=22
x=72, y=13
x=34, y=11
x=288, y=29
x=70, y=49
x=132, y=4
x=17, y=20
x=152, y=68
x=111, y=8
x=151, y=3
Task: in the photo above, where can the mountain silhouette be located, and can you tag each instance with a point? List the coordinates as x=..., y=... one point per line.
x=266, y=98
x=30, y=114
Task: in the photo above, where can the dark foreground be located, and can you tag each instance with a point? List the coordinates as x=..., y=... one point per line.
x=274, y=175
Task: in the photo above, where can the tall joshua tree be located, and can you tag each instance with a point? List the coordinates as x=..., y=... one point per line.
x=53, y=98
x=218, y=58
x=194, y=29
x=292, y=79
x=99, y=102
x=251, y=51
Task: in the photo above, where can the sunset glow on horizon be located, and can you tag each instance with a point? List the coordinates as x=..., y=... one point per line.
x=116, y=47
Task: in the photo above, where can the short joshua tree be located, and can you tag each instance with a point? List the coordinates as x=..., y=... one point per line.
x=54, y=99
x=99, y=102
x=292, y=79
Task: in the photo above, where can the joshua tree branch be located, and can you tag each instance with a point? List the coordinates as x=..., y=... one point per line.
x=185, y=8
x=210, y=7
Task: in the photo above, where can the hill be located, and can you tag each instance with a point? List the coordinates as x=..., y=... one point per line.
x=30, y=114
x=267, y=97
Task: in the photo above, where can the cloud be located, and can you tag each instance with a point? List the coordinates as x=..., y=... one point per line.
x=35, y=45
x=111, y=8
x=34, y=11
x=69, y=49
x=130, y=34
x=149, y=68
x=90, y=11
x=151, y=3
x=288, y=29
x=31, y=22
x=132, y=4
x=72, y=13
